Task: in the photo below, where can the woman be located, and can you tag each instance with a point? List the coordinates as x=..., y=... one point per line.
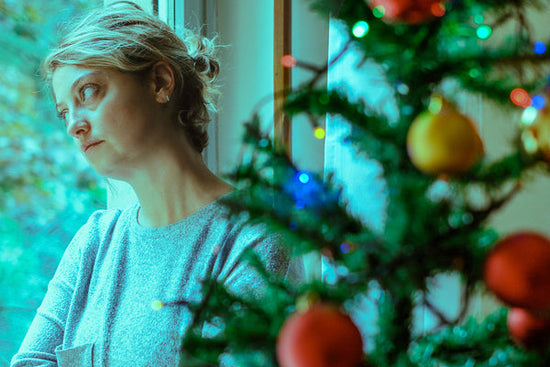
x=135, y=97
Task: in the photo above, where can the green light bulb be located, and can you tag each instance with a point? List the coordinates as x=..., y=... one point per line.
x=484, y=32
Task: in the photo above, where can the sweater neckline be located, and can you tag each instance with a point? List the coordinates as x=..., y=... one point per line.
x=202, y=213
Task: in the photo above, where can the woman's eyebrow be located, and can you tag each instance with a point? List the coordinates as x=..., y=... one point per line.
x=77, y=82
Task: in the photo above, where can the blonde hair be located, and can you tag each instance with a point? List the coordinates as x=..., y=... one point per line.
x=124, y=37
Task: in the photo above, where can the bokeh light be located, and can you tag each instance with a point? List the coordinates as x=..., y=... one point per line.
x=539, y=48
x=402, y=88
x=156, y=305
x=263, y=143
x=407, y=110
x=303, y=177
x=438, y=9
x=378, y=11
x=474, y=73
x=360, y=29
x=288, y=61
x=529, y=115
x=538, y=101
x=484, y=31
x=319, y=132
x=479, y=19
x=344, y=248
x=436, y=103
x=520, y=97
x=529, y=142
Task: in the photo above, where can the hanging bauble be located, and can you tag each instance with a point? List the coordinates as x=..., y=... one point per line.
x=517, y=271
x=407, y=11
x=528, y=330
x=322, y=336
x=441, y=140
x=536, y=136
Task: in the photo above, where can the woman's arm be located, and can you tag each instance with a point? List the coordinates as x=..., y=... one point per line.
x=47, y=329
x=38, y=347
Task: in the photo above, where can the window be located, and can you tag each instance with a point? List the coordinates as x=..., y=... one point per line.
x=47, y=190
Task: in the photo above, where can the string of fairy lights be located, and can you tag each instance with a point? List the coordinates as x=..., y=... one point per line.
x=533, y=105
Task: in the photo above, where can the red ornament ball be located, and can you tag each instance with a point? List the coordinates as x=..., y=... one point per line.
x=322, y=336
x=528, y=330
x=409, y=11
x=517, y=271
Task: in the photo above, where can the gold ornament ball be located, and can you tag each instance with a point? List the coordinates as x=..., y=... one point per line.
x=443, y=141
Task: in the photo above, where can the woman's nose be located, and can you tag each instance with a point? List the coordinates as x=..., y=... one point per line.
x=77, y=125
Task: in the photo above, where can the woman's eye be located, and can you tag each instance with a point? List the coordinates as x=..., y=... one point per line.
x=62, y=115
x=87, y=91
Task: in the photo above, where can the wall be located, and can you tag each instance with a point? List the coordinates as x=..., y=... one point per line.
x=246, y=27
x=310, y=45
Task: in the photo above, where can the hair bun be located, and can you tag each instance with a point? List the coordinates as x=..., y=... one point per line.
x=206, y=66
x=202, y=63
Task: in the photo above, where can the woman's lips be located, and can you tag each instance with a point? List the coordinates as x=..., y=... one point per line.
x=87, y=147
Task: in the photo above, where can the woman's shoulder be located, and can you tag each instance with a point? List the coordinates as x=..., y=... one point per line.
x=99, y=225
x=87, y=241
x=103, y=218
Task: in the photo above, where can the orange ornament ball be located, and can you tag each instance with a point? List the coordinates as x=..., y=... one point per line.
x=443, y=141
x=528, y=330
x=322, y=336
x=517, y=271
x=408, y=11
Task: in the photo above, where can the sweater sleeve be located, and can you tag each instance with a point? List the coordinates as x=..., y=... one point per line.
x=242, y=278
x=48, y=327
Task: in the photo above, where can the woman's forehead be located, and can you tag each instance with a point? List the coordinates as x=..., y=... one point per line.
x=68, y=74
x=66, y=77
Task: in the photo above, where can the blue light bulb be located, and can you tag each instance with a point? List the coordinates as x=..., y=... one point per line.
x=540, y=47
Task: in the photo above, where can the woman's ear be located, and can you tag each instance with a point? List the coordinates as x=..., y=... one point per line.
x=163, y=81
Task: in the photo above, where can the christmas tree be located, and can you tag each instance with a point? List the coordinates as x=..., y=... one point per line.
x=441, y=191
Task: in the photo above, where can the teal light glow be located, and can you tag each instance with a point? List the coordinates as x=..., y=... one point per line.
x=479, y=19
x=529, y=115
x=360, y=29
x=304, y=177
x=484, y=32
x=474, y=73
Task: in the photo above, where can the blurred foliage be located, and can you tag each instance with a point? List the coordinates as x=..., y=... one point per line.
x=47, y=190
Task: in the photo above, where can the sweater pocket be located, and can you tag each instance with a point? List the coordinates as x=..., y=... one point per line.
x=80, y=355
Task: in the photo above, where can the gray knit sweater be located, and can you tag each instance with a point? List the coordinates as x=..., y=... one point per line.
x=97, y=310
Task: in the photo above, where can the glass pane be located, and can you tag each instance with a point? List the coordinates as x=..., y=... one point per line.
x=47, y=190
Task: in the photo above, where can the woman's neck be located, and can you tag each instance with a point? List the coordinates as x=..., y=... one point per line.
x=171, y=188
